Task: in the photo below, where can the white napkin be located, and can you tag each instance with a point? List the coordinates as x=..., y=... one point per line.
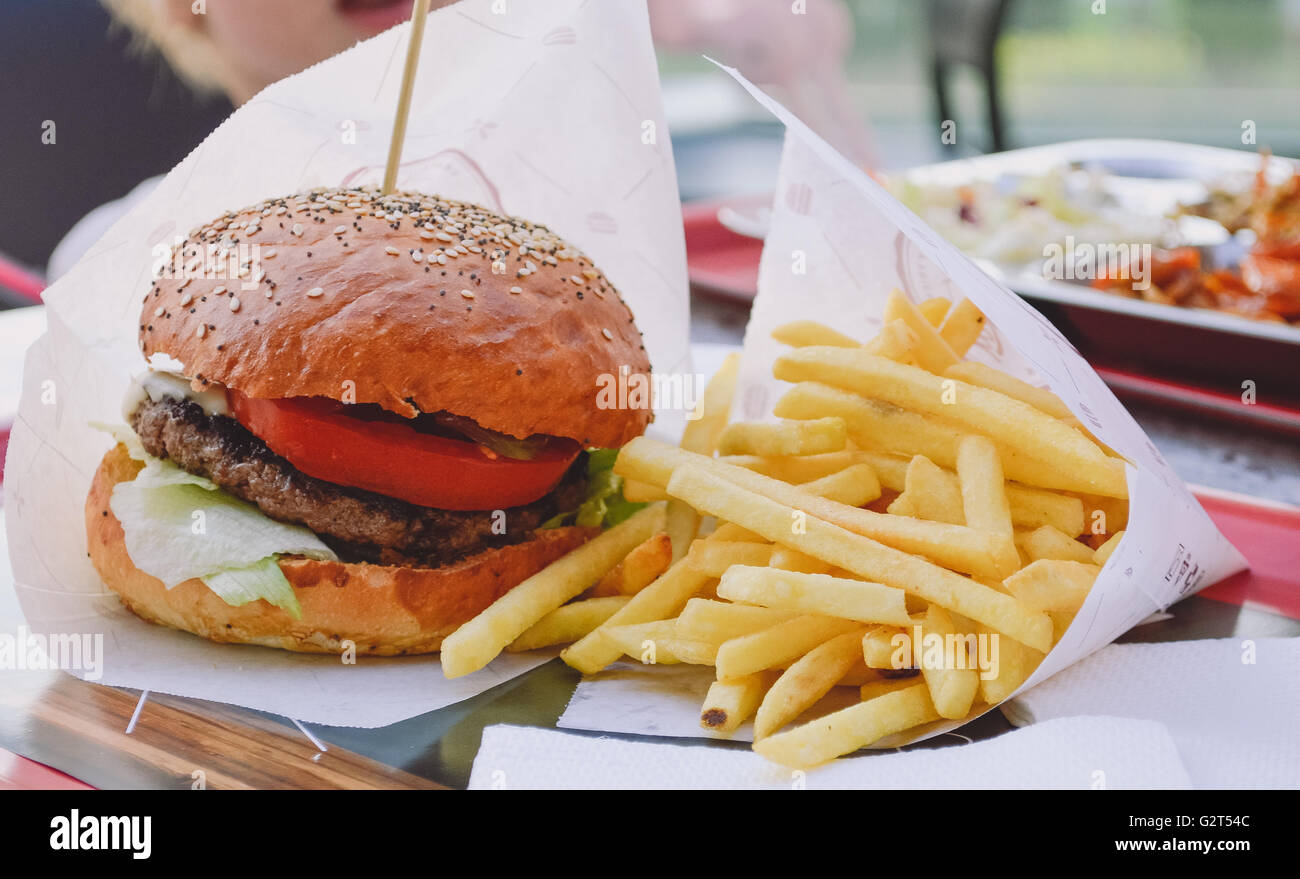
x=1231, y=705
x=1071, y=753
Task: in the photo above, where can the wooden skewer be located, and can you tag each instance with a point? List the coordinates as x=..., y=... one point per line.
x=419, y=12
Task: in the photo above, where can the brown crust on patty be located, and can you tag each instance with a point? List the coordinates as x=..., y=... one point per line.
x=383, y=610
x=343, y=307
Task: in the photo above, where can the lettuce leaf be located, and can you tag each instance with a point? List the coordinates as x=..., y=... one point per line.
x=604, y=505
x=264, y=579
x=179, y=526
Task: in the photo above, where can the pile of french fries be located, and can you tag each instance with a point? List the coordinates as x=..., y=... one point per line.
x=906, y=492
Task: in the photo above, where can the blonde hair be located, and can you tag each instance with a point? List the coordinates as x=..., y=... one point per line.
x=191, y=54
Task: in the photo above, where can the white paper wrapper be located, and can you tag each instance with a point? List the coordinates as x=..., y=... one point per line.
x=549, y=111
x=857, y=243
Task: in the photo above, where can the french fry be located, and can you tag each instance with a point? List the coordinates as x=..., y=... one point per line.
x=567, y=623
x=878, y=650
x=1017, y=426
x=932, y=352
x=984, y=497
x=702, y=432
x=730, y=531
x=1033, y=508
x=1049, y=584
x=952, y=688
x=731, y=702
x=860, y=555
x=800, y=469
x=894, y=341
x=887, y=428
x=962, y=326
x=777, y=646
x=807, y=680
x=929, y=493
x=984, y=500
x=1030, y=507
x=662, y=599
x=713, y=621
x=681, y=524
x=1061, y=620
x=859, y=675
x=799, y=333
x=657, y=643
x=849, y=729
x=934, y=310
x=983, y=376
x=816, y=594
x=810, y=437
x=639, y=569
x=1102, y=554
x=1102, y=515
x=1015, y=664
x=714, y=557
x=639, y=492
x=854, y=486
x=480, y=640
x=1051, y=543
x=701, y=436
x=788, y=559
x=874, y=689
x=955, y=546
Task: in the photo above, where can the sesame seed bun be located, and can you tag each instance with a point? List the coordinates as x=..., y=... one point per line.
x=382, y=610
x=386, y=299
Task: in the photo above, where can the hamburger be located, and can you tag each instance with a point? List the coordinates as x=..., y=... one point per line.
x=378, y=422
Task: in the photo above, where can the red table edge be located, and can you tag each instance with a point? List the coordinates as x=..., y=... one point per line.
x=22, y=773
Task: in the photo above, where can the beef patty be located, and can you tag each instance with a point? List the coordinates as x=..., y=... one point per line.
x=359, y=525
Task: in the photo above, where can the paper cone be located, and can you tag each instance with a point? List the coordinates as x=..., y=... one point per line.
x=855, y=243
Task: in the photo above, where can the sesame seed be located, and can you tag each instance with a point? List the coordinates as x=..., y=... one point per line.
x=234, y=303
x=218, y=290
x=607, y=334
x=391, y=251
x=443, y=236
x=416, y=256
x=468, y=294
x=315, y=291
x=297, y=229
x=516, y=289
x=269, y=253
x=339, y=230
x=203, y=330
x=576, y=280
x=187, y=299
x=427, y=235
x=158, y=312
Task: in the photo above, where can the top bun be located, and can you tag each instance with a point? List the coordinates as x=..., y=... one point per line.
x=414, y=302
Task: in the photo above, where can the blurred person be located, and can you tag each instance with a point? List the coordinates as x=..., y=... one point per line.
x=797, y=48
x=237, y=47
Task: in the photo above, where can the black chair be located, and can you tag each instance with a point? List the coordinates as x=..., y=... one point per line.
x=965, y=32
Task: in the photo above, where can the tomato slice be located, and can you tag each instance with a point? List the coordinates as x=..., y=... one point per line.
x=318, y=437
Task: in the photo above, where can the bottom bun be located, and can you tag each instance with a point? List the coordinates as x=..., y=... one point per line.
x=383, y=610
